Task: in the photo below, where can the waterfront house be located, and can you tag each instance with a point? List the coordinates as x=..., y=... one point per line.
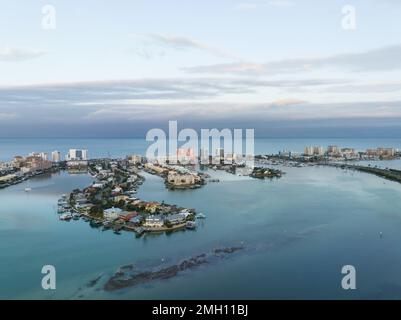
x=117, y=190
x=154, y=221
x=120, y=197
x=151, y=207
x=136, y=202
x=129, y=216
x=98, y=185
x=84, y=207
x=80, y=165
x=185, y=213
x=135, y=221
x=176, y=218
x=156, y=168
x=80, y=198
x=112, y=213
x=182, y=179
x=132, y=178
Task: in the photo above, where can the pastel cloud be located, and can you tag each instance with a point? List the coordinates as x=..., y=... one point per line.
x=381, y=59
x=178, y=43
x=8, y=53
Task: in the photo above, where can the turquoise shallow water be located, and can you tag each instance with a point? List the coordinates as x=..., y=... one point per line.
x=298, y=232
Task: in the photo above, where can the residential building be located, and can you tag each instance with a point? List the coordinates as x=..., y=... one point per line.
x=318, y=150
x=333, y=150
x=77, y=164
x=204, y=156
x=176, y=218
x=179, y=179
x=18, y=162
x=112, y=213
x=185, y=155
x=77, y=154
x=35, y=163
x=154, y=221
x=309, y=151
x=134, y=159
x=349, y=153
x=220, y=153
x=56, y=157
x=42, y=155
x=381, y=152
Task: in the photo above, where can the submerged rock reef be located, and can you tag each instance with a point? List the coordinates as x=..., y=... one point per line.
x=128, y=277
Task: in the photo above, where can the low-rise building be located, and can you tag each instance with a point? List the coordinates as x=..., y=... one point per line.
x=381, y=152
x=77, y=164
x=134, y=159
x=36, y=163
x=156, y=168
x=181, y=179
x=154, y=221
x=112, y=213
x=176, y=218
x=98, y=185
x=42, y=155
x=349, y=153
x=120, y=197
x=18, y=162
x=151, y=207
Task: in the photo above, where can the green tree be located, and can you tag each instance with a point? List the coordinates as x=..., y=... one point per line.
x=96, y=211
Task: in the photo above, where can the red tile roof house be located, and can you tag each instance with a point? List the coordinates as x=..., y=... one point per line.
x=129, y=216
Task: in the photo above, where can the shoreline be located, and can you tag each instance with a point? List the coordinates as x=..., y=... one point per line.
x=121, y=191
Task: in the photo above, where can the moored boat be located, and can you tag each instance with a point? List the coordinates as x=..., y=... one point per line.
x=65, y=217
x=61, y=210
x=190, y=225
x=139, y=231
x=107, y=225
x=95, y=224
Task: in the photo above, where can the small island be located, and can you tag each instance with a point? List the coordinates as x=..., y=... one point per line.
x=262, y=173
x=110, y=202
x=176, y=177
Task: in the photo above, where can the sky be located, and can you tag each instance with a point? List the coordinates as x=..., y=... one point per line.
x=286, y=68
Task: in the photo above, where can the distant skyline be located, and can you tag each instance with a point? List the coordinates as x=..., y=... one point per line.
x=117, y=69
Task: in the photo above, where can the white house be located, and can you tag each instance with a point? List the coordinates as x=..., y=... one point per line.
x=176, y=218
x=112, y=213
x=154, y=221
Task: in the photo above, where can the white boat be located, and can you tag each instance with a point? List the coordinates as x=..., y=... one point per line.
x=62, y=204
x=200, y=216
x=76, y=216
x=61, y=209
x=65, y=217
x=28, y=189
x=191, y=225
